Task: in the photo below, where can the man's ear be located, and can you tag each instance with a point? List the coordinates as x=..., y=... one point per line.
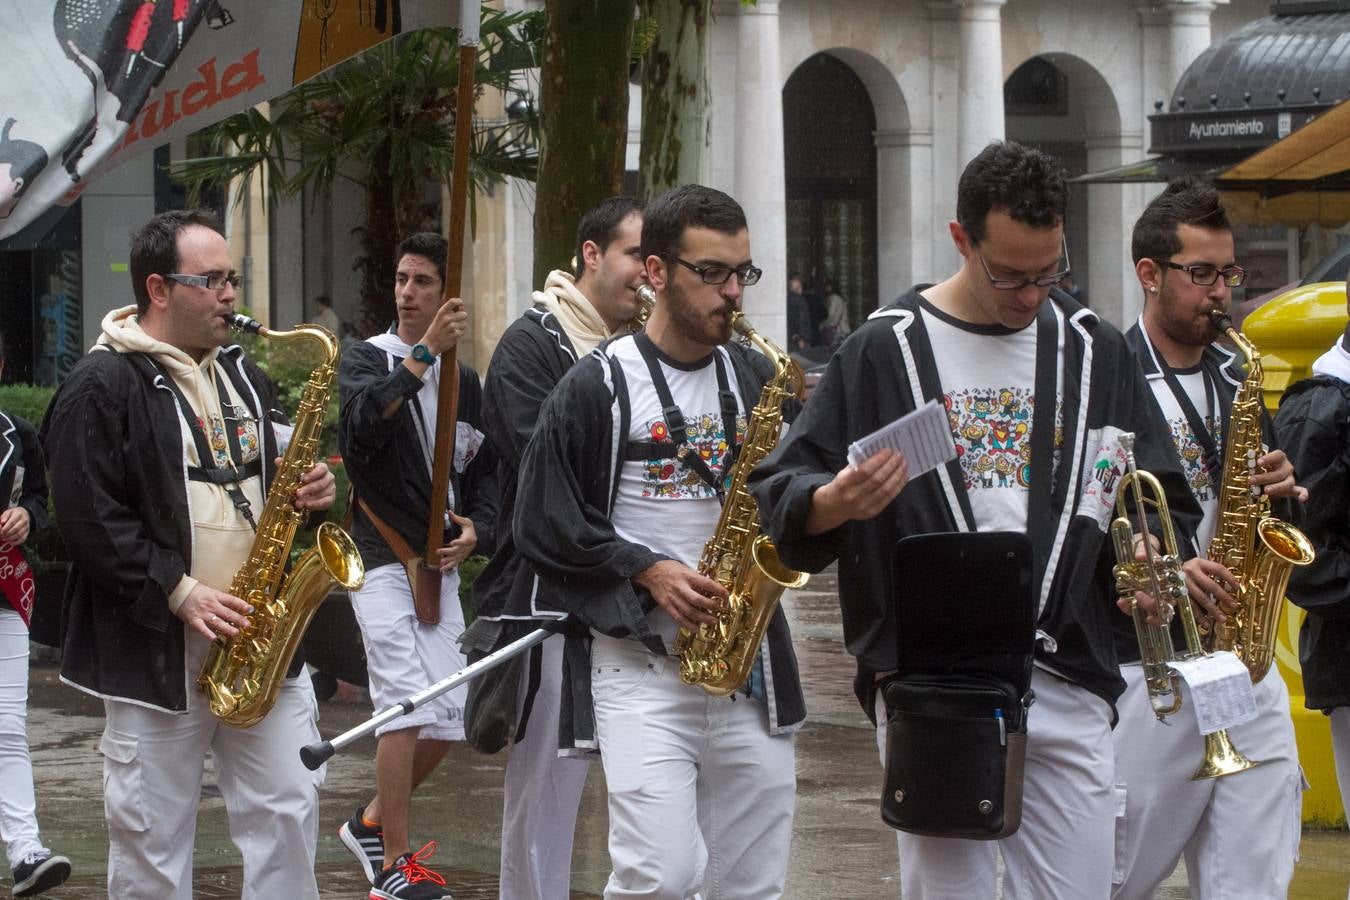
x=590, y=256
x=1150, y=275
x=658, y=275
x=157, y=287
x=960, y=238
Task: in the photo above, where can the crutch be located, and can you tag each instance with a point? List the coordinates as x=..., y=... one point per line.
x=315, y=755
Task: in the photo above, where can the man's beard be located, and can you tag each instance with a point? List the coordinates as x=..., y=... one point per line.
x=702, y=329
x=1188, y=330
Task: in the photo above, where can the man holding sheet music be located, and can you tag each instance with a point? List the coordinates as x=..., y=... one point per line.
x=1036, y=390
x=1239, y=832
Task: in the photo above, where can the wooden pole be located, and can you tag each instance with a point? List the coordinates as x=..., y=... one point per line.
x=447, y=397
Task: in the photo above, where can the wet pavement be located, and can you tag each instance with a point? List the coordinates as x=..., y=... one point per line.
x=840, y=847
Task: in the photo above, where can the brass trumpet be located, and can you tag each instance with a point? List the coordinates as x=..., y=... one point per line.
x=1161, y=576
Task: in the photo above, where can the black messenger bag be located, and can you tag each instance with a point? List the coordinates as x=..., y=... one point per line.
x=956, y=711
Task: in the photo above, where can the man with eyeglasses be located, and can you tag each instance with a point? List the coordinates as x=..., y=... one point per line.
x=1037, y=391
x=1240, y=832
x=163, y=443
x=620, y=488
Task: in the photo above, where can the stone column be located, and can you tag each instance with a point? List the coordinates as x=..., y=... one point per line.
x=760, y=181
x=943, y=169
x=904, y=202
x=1188, y=36
x=1111, y=288
x=981, y=99
x=1155, y=68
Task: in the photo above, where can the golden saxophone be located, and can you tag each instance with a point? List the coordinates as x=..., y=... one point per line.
x=242, y=675
x=1260, y=551
x=719, y=657
x=1162, y=577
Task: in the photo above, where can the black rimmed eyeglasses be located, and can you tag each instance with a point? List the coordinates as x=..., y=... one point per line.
x=212, y=282
x=1205, y=274
x=1040, y=281
x=717, y=274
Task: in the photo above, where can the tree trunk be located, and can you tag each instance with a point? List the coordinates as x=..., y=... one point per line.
x=378, y=240
x=583, y=116
x=676, y=97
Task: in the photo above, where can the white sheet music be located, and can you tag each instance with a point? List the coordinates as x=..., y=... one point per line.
x=1220, y=690
x=923, y=437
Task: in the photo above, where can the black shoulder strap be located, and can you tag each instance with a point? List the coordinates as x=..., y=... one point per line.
x=207, y=470
x=678, y=445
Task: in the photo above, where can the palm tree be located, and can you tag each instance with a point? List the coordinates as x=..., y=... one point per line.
x=385, y=119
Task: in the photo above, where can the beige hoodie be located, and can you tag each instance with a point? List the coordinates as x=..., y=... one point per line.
x=221, y=536
x=584, y=326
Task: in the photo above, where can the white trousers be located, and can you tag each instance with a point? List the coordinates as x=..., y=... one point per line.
x=1340, y=746
x=1062, y=851
x=1239, y=833
x=152, y=778
x=405, y=656
x=18, y=809
x=542, y=792
x=700, y=794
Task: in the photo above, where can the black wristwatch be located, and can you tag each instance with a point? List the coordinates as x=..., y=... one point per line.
x=422, y=354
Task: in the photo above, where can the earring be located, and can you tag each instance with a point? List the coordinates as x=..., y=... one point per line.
x=1152, y=289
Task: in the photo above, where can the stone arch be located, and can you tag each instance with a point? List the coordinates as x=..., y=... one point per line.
x=1085, y=131
x=900, y=190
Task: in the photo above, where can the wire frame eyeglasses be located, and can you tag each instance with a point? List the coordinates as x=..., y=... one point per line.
x=1041, y=281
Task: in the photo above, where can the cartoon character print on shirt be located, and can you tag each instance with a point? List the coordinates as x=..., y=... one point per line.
x=992, y=427
x=1100, y=479
x=245, y=430
x=669, y=479
x=1193, y=455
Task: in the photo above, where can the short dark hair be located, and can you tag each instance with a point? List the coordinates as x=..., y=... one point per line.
x=323, y=300
x=691, y=206
x=1187, y=201
x=601, y=224
x=154, y=248
x=1006, y=176
x=424, y=243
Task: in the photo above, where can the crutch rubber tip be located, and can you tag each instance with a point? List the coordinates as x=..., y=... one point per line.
x=315, y=755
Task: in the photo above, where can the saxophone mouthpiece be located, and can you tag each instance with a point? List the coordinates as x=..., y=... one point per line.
x=241, y=322
x=1222, y=321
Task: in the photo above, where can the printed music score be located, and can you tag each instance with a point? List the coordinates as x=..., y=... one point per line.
x=1221, y=690
x=923, y=437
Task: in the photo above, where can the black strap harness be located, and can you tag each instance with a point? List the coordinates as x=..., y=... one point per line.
x=678, y=446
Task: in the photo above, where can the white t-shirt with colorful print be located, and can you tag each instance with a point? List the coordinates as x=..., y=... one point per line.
x=1196, y=387
x=661, y=503
x=988, y=377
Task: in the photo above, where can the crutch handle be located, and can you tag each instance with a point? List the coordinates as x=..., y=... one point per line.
x=315, y=755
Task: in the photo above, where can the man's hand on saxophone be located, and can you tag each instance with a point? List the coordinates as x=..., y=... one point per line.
x=1275, y=477
x=213, y=613
x=1211, y=587
x=317, y=489
x=690, y=597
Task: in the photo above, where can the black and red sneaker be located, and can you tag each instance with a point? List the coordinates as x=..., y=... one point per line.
x=408, y=879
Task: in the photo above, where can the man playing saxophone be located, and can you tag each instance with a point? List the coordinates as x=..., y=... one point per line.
x=162, y=446
x=621, y=487
x=1239, y=832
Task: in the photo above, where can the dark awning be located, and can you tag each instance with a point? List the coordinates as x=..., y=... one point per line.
x=1157, y=169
